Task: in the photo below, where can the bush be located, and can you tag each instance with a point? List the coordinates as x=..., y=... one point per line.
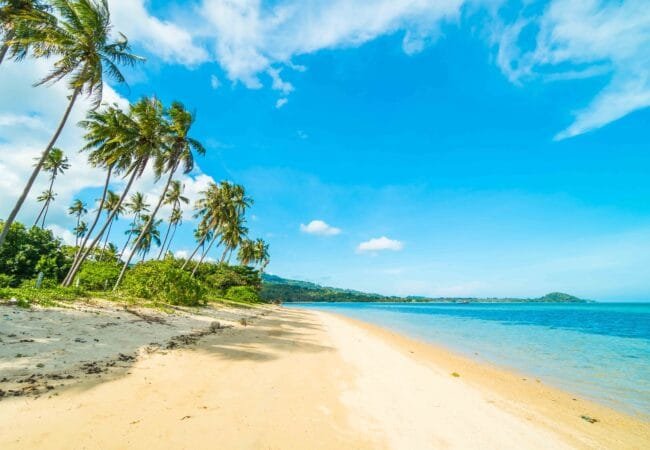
x=242, y=294
x=6, y=280
x=163, y=281
x=26, y=252
x=98, y=275
x=219, y=278
x=45, y=296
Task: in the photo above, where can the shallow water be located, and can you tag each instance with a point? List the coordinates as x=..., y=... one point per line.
x=598, y=350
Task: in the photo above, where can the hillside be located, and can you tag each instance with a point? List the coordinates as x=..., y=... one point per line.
x=275, y=288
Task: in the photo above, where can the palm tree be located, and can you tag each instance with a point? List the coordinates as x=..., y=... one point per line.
x=247, y=252
x=262, y=255
x=78, y=209
x=114, y=209
x=137, y=205
x=46, y=198
x=104, y=141
x=150, y=235
x=80, y=231
x=174, y=197
x=174, y=220
x=56, y=163
x=14, y=16
x=233, y=233
x=80, y=41
x=141, y=138
x=178, y=150
x=208, y=208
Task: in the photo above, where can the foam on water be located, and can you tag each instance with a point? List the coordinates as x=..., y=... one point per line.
x=598, y=350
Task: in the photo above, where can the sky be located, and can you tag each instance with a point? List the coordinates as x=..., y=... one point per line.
x=405, y=147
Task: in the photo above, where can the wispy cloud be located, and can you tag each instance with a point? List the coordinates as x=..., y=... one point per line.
x=214, y=82
x=320, y=228
x=281, y=102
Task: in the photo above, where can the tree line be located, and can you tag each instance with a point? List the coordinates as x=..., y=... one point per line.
x=76, y=36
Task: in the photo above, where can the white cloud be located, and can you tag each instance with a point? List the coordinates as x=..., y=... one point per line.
x=214, y=82
x=278, y=83
x=579, y=39
x=320, y=228
x=169, y=41
x=382, y=243
x=281, y=102
x=62, y=233
x=27, y=120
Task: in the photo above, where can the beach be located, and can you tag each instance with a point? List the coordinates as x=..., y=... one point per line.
x=274, y=378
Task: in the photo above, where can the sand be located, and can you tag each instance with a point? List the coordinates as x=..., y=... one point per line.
x=287, y=380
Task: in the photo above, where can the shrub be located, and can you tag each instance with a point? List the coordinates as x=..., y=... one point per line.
x=163, y=281
x=242, y=294
x=219, y=278
x=6, y=280
x=98, y=275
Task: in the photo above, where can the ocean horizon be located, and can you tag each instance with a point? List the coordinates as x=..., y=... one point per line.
x=600, y=351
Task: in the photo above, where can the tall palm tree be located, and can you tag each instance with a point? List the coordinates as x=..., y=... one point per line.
x=14, y=16
x=262, y=255
x=178, y=150
x=114, y=209
x=233, y=232
x=56, y=163
x=46, y=198
x=174, y=197
x=78, y=209
x=151, y=235
x=142, y=137
x=80, y=42
x=175, y=220
x=208, y=208
x=136, y=205
x=79, y=231
x=105, y=130
x=247, y=252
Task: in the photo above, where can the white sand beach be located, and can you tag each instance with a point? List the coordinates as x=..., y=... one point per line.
x=285, y=379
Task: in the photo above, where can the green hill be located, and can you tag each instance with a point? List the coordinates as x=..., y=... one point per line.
x=275, y=288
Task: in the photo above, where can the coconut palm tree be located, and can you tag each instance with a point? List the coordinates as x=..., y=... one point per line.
x=46, y=198
x=174, y=198
x=78, y=209
x=79, y=231
x=105, y=130
x=136, y=205
x=209, y=209
x=79, y=41
x=262, y=255
x=15, y=15
x=114, y=209
x=142, y=138
x=247, y=252
x=175, y=220
x=56, y=163
x=151, y=235
x=233, y=232
x=178, y=150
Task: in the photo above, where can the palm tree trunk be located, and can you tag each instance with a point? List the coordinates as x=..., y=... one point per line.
x=162, y=247
x=47, y=208
x=92, y=227
x=169, y=243
x=126, y=244
x=75, y=267
x=145, y=229
x=40, y=214
x=205, y=253
x=47, y=203
x=108, y=233
x=195, y=250
x=223, y=255
x=76, y=238
x=37, y=169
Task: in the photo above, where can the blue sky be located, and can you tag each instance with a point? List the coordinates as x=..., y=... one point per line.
x=450, y=148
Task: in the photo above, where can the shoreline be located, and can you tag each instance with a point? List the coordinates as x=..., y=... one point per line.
x=292, y=378
x=557, y=410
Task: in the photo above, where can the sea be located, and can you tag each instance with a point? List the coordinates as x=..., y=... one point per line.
x=600, y=351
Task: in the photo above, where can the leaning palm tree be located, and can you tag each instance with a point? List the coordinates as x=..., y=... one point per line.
x=141, y=138
x=80, y=42
x=178, y=150
x=15, y=16
x=80, y=231
x=209, y=209
x=56, y=163
x=78, y=209
x=151, y=235
x=175, y=220
x=114, y=209
x=174, y=197
x=46, y=198
x=137, y=206
x=105, y=130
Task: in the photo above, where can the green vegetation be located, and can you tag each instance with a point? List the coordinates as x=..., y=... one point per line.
x=276, y=289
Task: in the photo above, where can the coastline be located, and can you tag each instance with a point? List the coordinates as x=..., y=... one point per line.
x=308, y=379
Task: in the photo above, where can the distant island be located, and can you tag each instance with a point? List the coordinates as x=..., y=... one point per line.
x=278, y=289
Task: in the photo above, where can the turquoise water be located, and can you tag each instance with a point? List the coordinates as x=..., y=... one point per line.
x=598, y=350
